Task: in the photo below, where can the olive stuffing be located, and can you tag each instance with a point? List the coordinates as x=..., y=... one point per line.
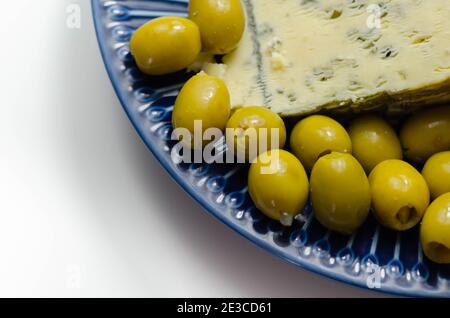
x=400, y=194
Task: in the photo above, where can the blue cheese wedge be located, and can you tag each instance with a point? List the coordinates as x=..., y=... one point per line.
x=303, y=56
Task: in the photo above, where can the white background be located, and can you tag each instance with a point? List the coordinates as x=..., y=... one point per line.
x=85, y=210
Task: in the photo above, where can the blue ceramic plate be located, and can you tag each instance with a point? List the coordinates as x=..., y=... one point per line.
x=373, y=258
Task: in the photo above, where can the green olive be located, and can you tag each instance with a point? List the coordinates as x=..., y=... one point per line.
x=221, y=23
x=400, y=194
x=435, y=230
x=340, y=192
x=437, y=173
x=373, y=141
x=278, y=185
x=165, y=45
x=203, y=100
x=317, y=135
x=426, y=133
x=250, y=131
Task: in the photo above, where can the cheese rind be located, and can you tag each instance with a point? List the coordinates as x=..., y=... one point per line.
x=302, y=56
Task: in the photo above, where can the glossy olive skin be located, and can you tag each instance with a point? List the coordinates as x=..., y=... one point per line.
x=374, y=141
x=251, y=126
x=340, y=192
x=278, y=185
x=400, y=194
x=435, y=229
x=437, y=173
x=203, y=98
x=165, y=45
x=221, y=23
x=426, y=133
x=317, y=135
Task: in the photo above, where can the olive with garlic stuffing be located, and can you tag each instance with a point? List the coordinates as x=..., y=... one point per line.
x=400, y=194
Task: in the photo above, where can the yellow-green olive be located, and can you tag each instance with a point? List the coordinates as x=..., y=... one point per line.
x=373, y=141
x=203, y=102
x=426, y=133
x=254, y=130
x=317, y=135
x=221, y=23
x=437, y=173
x=278, y=185
x=435, y=230
x=165, y=45
x=400, y=194
x=340, y=192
